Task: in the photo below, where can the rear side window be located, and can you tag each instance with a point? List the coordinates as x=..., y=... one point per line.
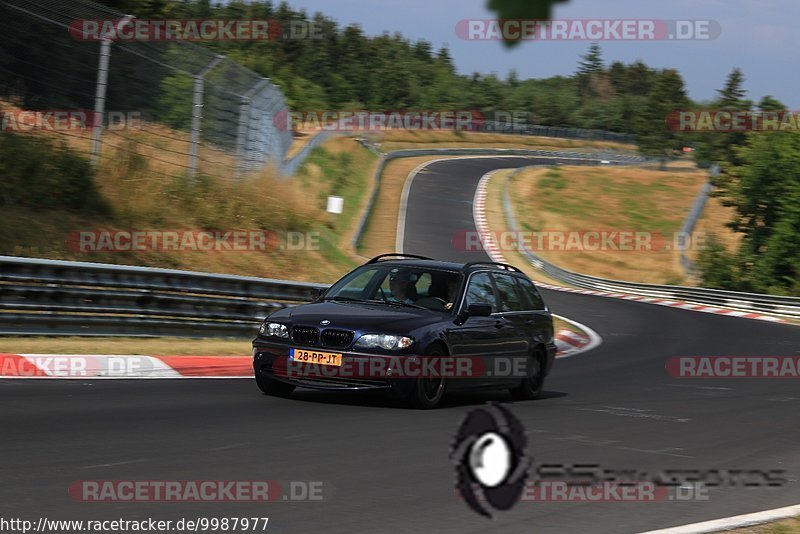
x=480, y=290
x=532, y=296
x=510, y=298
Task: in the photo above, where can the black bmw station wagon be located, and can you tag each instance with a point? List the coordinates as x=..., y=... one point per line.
x=382, y=325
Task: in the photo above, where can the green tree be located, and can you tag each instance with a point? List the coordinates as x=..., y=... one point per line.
x=589, y=69
x=717, y=266
x=770, y=103
x=722, y=147
x=731, y=96
x=653, y=136
x=765, y=191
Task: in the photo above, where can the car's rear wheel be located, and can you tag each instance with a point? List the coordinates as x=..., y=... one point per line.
x=273, y=387
x=428, y=390
x=531, y=387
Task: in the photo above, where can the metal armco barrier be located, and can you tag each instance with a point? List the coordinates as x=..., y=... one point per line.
x=53, y=297
x=415, y=152
x=49, y=297
x=752, y=302
x=775, y=305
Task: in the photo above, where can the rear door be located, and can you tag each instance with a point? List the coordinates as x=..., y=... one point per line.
x=479, y=337
x=539, y=322
x=516, y=320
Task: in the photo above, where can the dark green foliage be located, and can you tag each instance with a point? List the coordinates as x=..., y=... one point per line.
x=43, y=174
x=765, y=192
x=653, y=136
x=717, y=266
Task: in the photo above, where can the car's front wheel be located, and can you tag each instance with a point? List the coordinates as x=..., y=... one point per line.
x=531, y=387
x=428, y=390
x=273, y=387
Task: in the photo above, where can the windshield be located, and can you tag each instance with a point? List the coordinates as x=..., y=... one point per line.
x=433, y=289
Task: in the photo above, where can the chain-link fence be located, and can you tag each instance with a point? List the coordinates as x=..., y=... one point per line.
x=179, y=105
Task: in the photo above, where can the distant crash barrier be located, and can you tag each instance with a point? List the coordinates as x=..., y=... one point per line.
x=596, y=158
x=751, y=302
x=54, y=297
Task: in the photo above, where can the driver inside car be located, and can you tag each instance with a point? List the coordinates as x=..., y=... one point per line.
x=401, y=284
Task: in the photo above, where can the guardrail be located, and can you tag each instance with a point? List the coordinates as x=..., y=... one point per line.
x=752, y=302
x=53, y=297
x=291, y=165
x=690, y=222
x=563, y=132
x=597, y=157
x=50, y=297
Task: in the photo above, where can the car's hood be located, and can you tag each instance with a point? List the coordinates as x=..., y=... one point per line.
x=358, y=316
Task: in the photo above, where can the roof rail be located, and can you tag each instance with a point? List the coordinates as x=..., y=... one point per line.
x=504, y=266
x=376, y=259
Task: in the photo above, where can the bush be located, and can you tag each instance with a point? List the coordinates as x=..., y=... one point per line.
x=718, y=269
x=44, y=174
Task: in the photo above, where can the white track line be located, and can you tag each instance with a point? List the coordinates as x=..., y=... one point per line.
x=730, y=523
x=401, y=216
x=494, y=252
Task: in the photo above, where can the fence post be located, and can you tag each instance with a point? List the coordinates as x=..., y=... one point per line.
x=197, y=112
x=244, y=111
x=100, y=89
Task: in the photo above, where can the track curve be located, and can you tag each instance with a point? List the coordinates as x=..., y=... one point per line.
x=614, y=406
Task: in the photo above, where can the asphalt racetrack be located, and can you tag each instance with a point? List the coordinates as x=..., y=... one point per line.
x=385, y=468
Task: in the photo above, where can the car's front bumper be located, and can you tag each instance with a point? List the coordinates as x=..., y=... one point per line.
x=359, y=371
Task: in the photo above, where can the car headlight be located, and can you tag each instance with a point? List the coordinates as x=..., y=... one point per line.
x=383, y=341
x=274, y=330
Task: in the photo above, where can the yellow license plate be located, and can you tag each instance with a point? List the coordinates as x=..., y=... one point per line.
x=313, y=356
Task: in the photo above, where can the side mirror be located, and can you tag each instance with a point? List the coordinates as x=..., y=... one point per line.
x=479, y=310
x=473, y=310
x=316, y=293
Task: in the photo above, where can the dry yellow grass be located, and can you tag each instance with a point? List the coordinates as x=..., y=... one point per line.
x=580, y=199
x=713, y=221
x=787, y=526
x=498, y=224
x=299, y=141
x=381, y=231
x=145, y=193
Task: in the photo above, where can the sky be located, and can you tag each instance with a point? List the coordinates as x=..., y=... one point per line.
x=757, y=36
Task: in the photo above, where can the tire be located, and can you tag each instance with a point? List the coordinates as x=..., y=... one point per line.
x=427, y=391
x=273, y=387
x=531, y=387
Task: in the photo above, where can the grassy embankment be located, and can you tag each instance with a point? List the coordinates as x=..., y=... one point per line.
x=581, y=199
x=51, y=192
